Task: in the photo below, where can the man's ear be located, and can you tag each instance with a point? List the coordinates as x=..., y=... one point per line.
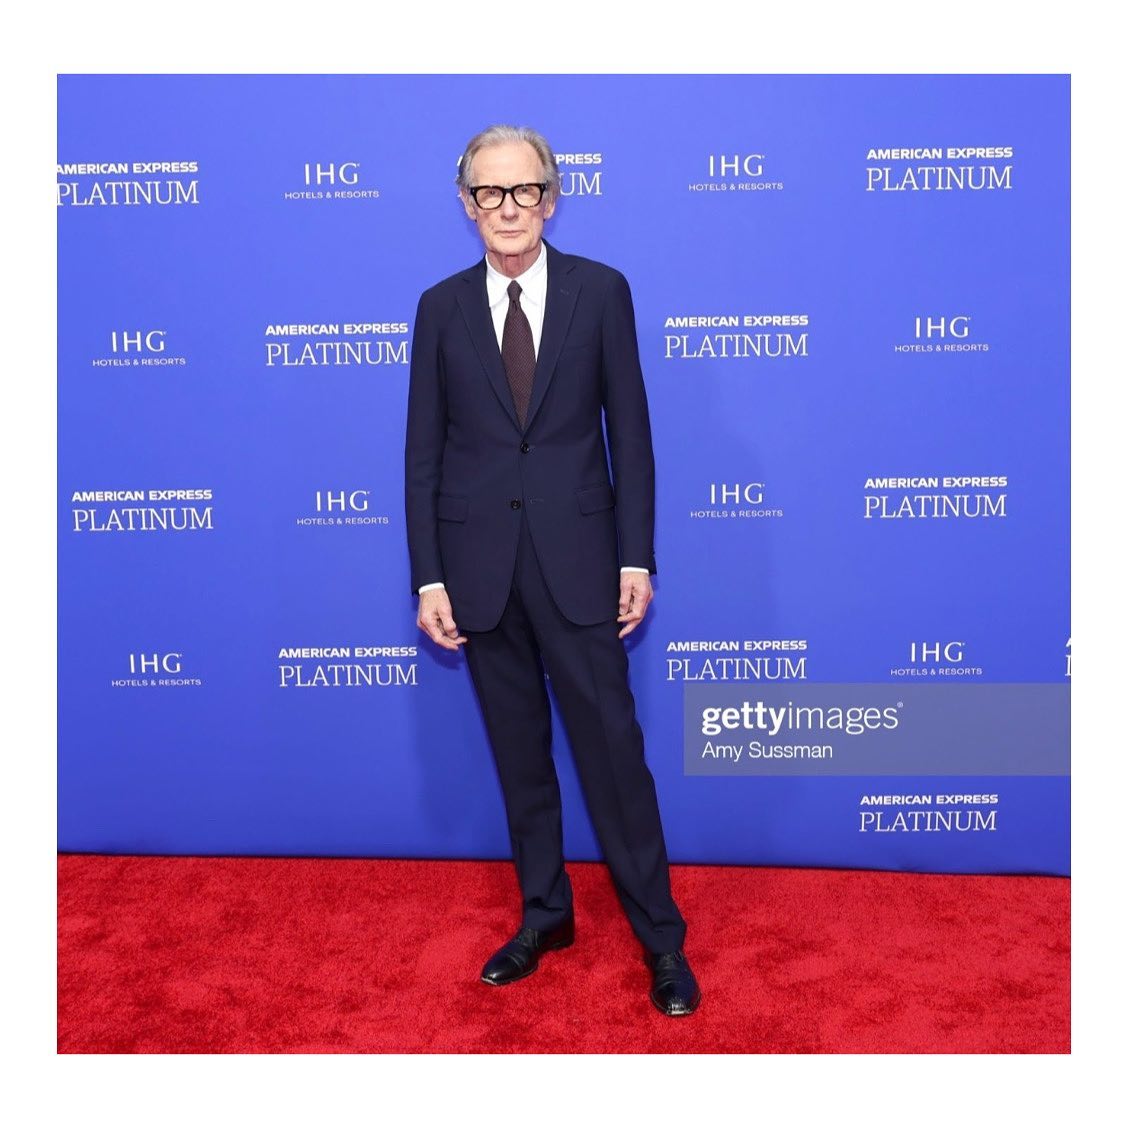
x=468, y=204
x=550, y=206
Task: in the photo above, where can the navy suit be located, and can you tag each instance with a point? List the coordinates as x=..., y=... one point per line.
x=527, y=529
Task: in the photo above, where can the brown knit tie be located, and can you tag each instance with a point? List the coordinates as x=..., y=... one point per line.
x=517, y=353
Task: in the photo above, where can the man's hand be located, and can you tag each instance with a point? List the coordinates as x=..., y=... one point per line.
x=435, y=619
x=635, y=594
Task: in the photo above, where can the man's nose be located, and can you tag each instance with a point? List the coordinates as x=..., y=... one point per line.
x=509, y=207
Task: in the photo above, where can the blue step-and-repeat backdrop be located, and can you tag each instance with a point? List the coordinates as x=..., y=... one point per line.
x=852, y=296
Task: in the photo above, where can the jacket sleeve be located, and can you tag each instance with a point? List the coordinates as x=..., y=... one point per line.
x=627, y=415
x=423, y=447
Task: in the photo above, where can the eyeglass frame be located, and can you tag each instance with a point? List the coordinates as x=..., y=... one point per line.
x=511, y=191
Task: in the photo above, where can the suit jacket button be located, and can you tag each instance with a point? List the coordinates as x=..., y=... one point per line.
x=515, y=503
x=525, y=448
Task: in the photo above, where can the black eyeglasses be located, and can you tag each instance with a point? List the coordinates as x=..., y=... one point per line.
x=491, y=196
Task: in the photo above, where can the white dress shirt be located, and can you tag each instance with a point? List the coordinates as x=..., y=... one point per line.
x=534, y=294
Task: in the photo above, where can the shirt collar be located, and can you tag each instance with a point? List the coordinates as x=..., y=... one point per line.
x=497, y=284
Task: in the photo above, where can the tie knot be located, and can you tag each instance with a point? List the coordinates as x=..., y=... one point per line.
x=514, y=291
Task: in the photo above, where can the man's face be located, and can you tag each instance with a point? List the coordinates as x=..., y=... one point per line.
x=509, y=229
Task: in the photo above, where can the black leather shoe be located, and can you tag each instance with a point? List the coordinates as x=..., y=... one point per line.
x=675, y=991
x=521, y=955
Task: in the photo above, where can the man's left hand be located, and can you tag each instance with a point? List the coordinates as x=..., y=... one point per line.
x=635, y=594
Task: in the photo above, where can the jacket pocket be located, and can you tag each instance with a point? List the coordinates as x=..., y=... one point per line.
x=594, y=498
x=452, y=507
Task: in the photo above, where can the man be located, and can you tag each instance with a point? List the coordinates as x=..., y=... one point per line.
x=519, y=539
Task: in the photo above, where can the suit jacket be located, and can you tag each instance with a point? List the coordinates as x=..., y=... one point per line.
x=470, y=468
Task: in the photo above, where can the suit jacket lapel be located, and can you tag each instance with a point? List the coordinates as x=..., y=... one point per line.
x=560, y=304
x=474, y=303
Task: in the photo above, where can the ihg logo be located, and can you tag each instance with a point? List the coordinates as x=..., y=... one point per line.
x=317, y=174
x=138, y=341
x=931, y=328
x=936, y=651
x=722, y=493
x=736, y=166
x=169, y=663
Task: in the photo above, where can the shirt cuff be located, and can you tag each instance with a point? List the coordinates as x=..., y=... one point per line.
x=430, y=587
x=629, y=568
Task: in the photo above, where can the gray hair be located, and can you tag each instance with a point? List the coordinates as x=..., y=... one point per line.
x=506, y=135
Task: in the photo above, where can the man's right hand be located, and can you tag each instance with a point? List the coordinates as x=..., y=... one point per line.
x=436, y=620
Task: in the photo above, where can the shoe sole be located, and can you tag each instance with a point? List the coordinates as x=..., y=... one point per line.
x=525, y=974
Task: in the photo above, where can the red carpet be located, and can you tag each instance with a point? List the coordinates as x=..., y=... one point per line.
x=285, y=955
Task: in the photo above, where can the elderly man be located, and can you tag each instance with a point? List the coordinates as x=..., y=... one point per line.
x=528, y=552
